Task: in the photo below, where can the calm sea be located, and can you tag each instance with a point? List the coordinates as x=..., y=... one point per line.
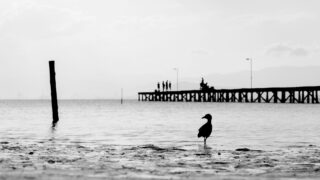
x=96, y=122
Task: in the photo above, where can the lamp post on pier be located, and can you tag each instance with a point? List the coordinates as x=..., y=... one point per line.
x=177, y=70
x=250, y=59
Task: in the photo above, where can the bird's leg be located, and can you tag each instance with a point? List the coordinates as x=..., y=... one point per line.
x=205, y=141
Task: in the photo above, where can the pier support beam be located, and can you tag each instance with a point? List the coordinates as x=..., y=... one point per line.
x=227, y=96
x=259, y=97
x=275, y=96
x=283, y=97
x=313, y=97
x=239, y=96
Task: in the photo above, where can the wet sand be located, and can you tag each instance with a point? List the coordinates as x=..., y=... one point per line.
x=51, y=160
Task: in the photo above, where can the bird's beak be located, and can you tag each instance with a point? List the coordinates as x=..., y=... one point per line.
x=203, y=117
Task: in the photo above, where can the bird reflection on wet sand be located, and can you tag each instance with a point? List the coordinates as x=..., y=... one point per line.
x=205, y=149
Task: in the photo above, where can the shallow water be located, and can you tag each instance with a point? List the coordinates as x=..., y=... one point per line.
x=153, y=140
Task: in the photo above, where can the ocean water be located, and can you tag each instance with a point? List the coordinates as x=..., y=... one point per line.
x=132, y=123
x=152, y=139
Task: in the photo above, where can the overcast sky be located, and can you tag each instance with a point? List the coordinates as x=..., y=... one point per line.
x=102, y=45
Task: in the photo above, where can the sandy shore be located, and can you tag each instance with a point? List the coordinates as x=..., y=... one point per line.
x=51, y=160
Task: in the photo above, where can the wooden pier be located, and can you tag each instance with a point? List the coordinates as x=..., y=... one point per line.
x=306, y=94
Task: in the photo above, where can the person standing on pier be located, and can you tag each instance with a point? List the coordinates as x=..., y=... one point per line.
x=167, y=85
x=170, y=85
x=158, y=86
x=163, y=85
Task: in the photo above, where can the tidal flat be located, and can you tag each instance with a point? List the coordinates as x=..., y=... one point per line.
x=51, y=160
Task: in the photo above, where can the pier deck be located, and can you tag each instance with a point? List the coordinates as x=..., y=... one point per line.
x=304, y=94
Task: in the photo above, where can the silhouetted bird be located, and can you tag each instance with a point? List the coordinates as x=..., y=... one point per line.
x=206, y=129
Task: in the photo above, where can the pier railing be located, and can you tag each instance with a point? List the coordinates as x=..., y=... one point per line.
x=305, y=94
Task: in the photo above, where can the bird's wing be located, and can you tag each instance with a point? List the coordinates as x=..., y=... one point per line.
x=201, y=130
x=202, y=127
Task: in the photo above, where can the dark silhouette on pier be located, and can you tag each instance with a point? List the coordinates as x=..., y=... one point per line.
x=304, y=94
x=206, y=129
x=167, y=85
x=163, y=85
x=204, y=86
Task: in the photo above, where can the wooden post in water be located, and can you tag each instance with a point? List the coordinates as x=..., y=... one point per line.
x=121, y=95
x=54, y=100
